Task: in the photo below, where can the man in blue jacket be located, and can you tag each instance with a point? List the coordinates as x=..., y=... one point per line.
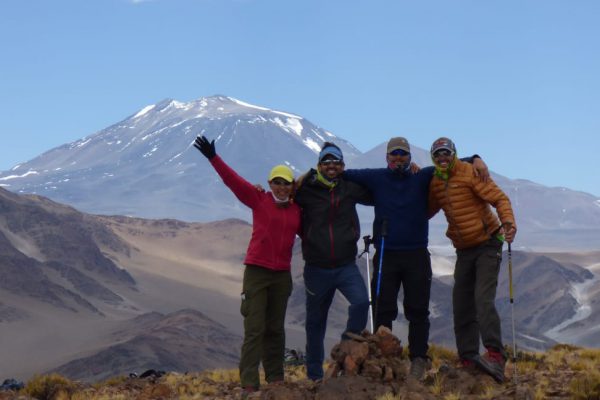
x=400, y=198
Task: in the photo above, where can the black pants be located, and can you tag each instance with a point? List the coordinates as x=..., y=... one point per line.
x=473, y=298
x=412, y=270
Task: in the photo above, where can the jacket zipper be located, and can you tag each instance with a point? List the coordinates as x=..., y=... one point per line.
x=451, y=209
x=332, y=205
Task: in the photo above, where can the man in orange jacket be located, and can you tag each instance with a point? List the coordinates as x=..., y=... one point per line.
x=478, y=236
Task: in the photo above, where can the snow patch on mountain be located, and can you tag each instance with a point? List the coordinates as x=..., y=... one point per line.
x=316, y=133
x=294, y=125
x=311, y=144
x=177, y=156
x=144, y=111
x=244, y=104
x=287, y=114
x=581, y=294
x=180, y=105
x=148, y=154
x=290, y=125
x=159, y=131
x=177, y=105
x=292, y=167
x=258, y=119
x=19, y=176
x=81, y=143
x=531, y=338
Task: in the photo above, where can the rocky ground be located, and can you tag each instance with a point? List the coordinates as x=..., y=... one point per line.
x=367, y=367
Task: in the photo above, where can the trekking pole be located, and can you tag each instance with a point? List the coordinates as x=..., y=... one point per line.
x=368, y=242
x=512, y=311
x=381, y=248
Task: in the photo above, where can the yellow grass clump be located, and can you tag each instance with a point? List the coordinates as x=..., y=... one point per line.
x=562, y=372
x=49, y=387
x=586, y=386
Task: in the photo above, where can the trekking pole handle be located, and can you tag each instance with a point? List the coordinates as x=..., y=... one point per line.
x=368, y=241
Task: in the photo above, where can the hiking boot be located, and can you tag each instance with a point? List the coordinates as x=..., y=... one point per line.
x=492, y=363
x=247, y=391
x=418, y=365
x=466, y=363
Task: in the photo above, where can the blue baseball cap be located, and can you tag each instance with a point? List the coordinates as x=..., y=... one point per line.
x=331, y=150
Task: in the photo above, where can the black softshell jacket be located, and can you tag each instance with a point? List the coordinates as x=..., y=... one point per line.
x=330, y=226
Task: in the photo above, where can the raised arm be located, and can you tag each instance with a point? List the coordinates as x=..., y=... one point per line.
x=241, y=188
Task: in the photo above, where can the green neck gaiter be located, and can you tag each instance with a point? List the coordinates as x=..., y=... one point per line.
x=443, y=173
x=325, y=181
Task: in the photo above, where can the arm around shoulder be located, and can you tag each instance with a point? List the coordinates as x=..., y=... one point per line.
x=362, y=194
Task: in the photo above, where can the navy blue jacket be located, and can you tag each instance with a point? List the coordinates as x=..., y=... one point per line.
x=402, y=201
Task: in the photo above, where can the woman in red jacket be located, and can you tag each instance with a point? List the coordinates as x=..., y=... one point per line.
x=267, y=281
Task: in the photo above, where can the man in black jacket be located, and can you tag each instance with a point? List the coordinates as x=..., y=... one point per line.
x=330, y=230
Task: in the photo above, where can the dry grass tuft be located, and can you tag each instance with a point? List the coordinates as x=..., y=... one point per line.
x=586, y=386
x=388, y=396
x=437, y=386
x=564, y=347
x=49, y=387
x=452, y=396
x=563, y=372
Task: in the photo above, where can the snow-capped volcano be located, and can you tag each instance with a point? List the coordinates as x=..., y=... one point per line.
x=147, y=166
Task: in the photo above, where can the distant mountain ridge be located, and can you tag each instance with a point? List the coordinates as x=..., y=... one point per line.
x=65, y=295
x=185, y=340
x=50, y=252
x=146, y=166
x=99, y=295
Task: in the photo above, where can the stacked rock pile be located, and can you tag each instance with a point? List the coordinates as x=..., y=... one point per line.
x=377, y=356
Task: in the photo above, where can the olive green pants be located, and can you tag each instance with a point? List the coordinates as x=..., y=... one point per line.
x=265, y=296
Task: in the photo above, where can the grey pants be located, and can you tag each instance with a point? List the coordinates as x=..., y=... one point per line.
x=473, y=297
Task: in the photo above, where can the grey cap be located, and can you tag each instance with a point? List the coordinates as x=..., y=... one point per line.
x=443, y=143
x=398, y=143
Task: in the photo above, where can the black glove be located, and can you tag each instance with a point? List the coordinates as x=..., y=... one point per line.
x=206, y=148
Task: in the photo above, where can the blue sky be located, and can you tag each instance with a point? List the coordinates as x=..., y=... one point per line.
x=516, y=81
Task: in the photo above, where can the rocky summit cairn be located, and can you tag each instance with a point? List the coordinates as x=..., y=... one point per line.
x=377, y=356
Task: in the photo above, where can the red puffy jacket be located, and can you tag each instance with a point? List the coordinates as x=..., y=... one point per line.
x=273, y=228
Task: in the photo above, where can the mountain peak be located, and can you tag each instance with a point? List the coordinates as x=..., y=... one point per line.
x=213, y=106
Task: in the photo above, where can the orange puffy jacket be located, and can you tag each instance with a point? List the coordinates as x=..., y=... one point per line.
x=466, y=202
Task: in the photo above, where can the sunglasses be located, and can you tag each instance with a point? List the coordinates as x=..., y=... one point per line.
x=442, y=153
x=280, y=182
x=398, y=152
x=331, y=162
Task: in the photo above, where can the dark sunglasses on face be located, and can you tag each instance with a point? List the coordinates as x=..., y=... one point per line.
x=398, y=152
x=442, y=153
x=280, y=182
x=331, y=162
